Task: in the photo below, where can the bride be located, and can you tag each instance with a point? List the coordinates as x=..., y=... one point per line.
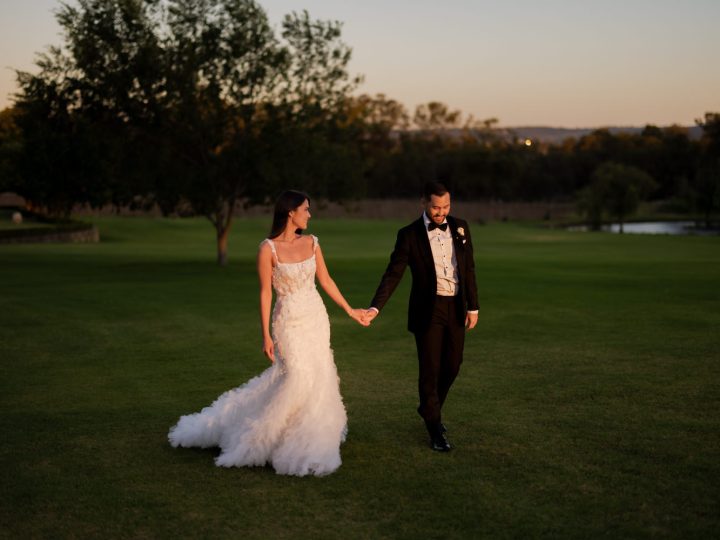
x=291, y=415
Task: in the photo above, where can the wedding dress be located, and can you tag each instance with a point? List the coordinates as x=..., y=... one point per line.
x=291, y=415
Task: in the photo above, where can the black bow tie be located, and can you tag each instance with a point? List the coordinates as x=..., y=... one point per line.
x=432, y=226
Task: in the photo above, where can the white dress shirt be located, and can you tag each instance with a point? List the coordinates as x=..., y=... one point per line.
x=443, y=253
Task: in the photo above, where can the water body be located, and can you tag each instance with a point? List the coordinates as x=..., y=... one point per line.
x=654, y=227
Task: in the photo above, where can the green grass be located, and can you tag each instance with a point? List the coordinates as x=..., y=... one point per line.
x=587, y=406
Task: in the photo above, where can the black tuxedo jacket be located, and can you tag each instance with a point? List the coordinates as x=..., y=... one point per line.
x=412, y=249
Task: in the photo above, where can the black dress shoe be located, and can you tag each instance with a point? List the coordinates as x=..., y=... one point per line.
x=443, y=429
x=440, y=444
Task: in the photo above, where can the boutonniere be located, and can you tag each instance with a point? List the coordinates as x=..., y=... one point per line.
x=461, y=234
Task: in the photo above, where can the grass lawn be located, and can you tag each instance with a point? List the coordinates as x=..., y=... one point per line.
x=588, y=404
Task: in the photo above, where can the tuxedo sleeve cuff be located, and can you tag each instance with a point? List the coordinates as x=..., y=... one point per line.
x=376, y=310
x=473, y=312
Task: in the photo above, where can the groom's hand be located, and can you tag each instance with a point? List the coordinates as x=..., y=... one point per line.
x=369, y=315
x=471, y=320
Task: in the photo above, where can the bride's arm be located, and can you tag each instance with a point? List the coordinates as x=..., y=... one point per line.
x=264, y=268
x=329, y=286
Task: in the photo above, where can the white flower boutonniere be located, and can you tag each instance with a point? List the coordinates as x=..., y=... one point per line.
x=461, y=234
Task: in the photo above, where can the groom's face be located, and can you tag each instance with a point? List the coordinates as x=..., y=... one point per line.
x=438, y=207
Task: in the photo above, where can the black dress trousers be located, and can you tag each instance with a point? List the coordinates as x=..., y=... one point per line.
x=440, y=353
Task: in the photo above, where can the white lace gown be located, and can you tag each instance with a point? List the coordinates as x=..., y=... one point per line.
x=291, y=415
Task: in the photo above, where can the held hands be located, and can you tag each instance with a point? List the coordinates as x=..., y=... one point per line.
x=366, y=316
x=359, y=316
x=369, y=315
x=363, y=316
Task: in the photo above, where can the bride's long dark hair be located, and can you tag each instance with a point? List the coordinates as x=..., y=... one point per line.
x=287, y=202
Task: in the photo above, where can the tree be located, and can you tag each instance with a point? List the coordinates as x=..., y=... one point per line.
x=617, y=189
x=195, y=90
x=223, y=65
x=76, y=115
x=710, y=125
x=483, y=132
x=706, y=190
x=436, y=116
x=667, y=154
x=10, y=148
x=63, y=158
x=303, y=136
x=590, y=203
x=371, y=125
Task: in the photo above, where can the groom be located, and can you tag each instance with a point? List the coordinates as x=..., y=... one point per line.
x=443, y=299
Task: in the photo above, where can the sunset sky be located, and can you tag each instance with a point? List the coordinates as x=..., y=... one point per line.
x=542, y=63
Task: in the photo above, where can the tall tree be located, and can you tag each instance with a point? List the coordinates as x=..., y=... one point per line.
x=195, y=89
x=303, y=137
x=617, y=189
x=64, y=158
x=706, y=190
x=373, y=124
x=710, y=125
x=705, y=187
x=10, y=149
x=435, y=116
x=224, y=64
x=77, y=112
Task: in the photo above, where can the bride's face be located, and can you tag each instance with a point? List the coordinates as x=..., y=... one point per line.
x=301, y=215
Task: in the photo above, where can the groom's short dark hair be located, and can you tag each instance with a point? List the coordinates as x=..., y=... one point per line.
x=434, y=188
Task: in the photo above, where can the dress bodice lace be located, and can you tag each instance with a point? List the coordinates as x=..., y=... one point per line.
x=293, y=278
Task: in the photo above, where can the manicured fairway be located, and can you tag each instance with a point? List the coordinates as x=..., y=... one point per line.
x=588, y=404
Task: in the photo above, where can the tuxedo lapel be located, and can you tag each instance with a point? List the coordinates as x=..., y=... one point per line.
x=457, y=243
x=424, y=246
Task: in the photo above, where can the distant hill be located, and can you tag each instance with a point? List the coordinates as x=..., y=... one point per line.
x=554, y=135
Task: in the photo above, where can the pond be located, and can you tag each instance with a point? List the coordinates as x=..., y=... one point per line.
x=654, y=227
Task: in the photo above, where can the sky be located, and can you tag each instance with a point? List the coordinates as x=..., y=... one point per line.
x=560, y=63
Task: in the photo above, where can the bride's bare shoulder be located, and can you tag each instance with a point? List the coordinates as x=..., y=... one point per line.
x=264, y=247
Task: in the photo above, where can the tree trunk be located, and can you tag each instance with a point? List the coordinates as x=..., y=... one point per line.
x=222, y=238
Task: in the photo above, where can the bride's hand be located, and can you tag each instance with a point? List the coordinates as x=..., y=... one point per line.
x=359, y=316
x=269, y=348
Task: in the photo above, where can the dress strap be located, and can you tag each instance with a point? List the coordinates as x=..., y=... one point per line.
x=272, y=248
x=316, y=243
